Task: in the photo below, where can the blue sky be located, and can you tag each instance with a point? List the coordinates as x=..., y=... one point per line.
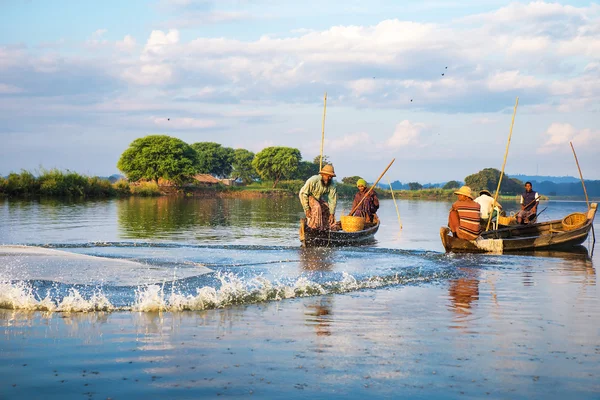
x=80, y=80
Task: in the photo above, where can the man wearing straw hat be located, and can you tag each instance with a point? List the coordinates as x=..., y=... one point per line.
x=318, y=197
x=464, y=216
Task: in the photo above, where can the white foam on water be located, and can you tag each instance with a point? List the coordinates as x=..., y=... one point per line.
x=233, y=290
x=38, y=263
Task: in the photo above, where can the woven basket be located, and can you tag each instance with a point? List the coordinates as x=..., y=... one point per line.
x=506, y=220
x=573, y=221
x=352, y=224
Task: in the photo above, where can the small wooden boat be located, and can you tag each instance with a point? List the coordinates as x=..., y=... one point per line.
x=556, y=234
x=337, y=237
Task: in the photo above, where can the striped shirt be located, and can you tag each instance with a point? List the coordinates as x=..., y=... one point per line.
x=468, y=214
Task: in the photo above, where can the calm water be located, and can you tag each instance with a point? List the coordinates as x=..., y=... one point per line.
x=252, y=313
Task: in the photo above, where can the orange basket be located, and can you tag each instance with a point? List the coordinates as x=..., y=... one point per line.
x=574, y=221
x=352, y=224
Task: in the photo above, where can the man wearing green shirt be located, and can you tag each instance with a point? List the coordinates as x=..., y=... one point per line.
x=318, y=197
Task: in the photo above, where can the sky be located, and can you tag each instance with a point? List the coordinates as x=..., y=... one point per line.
x=432, y=84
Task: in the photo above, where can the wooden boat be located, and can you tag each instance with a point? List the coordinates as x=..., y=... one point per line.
x=330, y=238
x=545, y=235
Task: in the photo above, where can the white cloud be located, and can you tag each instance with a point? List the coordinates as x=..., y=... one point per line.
x=356, y=141
x=510, y=80
x=97, y=39
x=149, y=74
x=127, y=44
x=182, y=123
x=406, y=133
x=558, y=136
x=9, y=89
x=485, y=121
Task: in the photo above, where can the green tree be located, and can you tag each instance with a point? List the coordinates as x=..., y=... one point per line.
x=242, y=166
x=451, y=185
x=274, y=163
x=317, y=160
x=488, y=179
x=214, y=159
x=415, y=186
x=158, y=156
x=305, y=170
x=350, y=180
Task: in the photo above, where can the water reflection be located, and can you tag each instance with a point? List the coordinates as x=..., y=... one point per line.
x=463, y=293
x=318, y=310
x=145, y=218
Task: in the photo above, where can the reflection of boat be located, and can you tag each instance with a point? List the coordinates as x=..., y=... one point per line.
x=313, y=237
x=540, y=236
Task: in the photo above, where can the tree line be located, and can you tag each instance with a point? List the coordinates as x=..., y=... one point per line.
x=159, y=156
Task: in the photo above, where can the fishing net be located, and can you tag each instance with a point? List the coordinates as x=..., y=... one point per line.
x=490, y=245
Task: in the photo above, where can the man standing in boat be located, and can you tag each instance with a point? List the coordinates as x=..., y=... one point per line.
x=369, y=206
x=464, y=216
x=318, y=197
x=529, y=202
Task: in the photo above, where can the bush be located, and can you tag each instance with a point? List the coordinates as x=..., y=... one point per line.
x=145, y=189
x=121, y=187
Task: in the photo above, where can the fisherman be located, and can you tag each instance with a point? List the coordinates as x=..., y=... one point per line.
x=529, y=202
x=486, y=201
x=464, y=216
x=318, y=197
x=369, y=206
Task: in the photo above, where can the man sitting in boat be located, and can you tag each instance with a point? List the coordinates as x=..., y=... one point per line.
x=369, y=206
x=486, y=202
x=464, y=216
x=529, y=202
x=318, y=197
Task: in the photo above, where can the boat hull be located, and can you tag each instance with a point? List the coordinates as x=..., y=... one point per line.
x=316, y=238
x=549, y=235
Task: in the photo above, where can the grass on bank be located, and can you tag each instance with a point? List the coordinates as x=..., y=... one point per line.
x=56, y=183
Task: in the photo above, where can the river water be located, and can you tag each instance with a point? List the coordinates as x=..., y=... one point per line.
x=186, y=297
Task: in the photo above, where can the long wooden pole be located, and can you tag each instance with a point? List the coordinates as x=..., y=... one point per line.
x=587, y=201
x=396, y=204
x=487, y=228
x=323, y=131
x=371, y=188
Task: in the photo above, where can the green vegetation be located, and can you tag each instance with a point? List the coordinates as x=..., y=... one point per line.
x=145, y=189
x=488, y=179
x=242, y=166
x=214, y=159
x=351, y=180
x=451, y=185
x=274, y=163
x=159, y=156
x=56, y=183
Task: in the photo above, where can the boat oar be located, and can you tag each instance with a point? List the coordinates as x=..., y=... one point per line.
x=487, y=228
x=371, y=188
x=396, y=204
x=587, y=201
x=323, y=130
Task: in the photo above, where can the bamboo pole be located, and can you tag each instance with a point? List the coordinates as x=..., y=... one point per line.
x=587, y=201
x=396, y=204
x=487, y=228
x=371, y=188
x=323, y=131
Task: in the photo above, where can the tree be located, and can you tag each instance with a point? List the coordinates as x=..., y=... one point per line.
x=274, y=163
x=415, y=186
x=214, y=159
x=317, y=160
x=350, y=180
x=451, y=185
x=488, y=179
x=158, y=156
x=305, y=170
x=242, y=166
